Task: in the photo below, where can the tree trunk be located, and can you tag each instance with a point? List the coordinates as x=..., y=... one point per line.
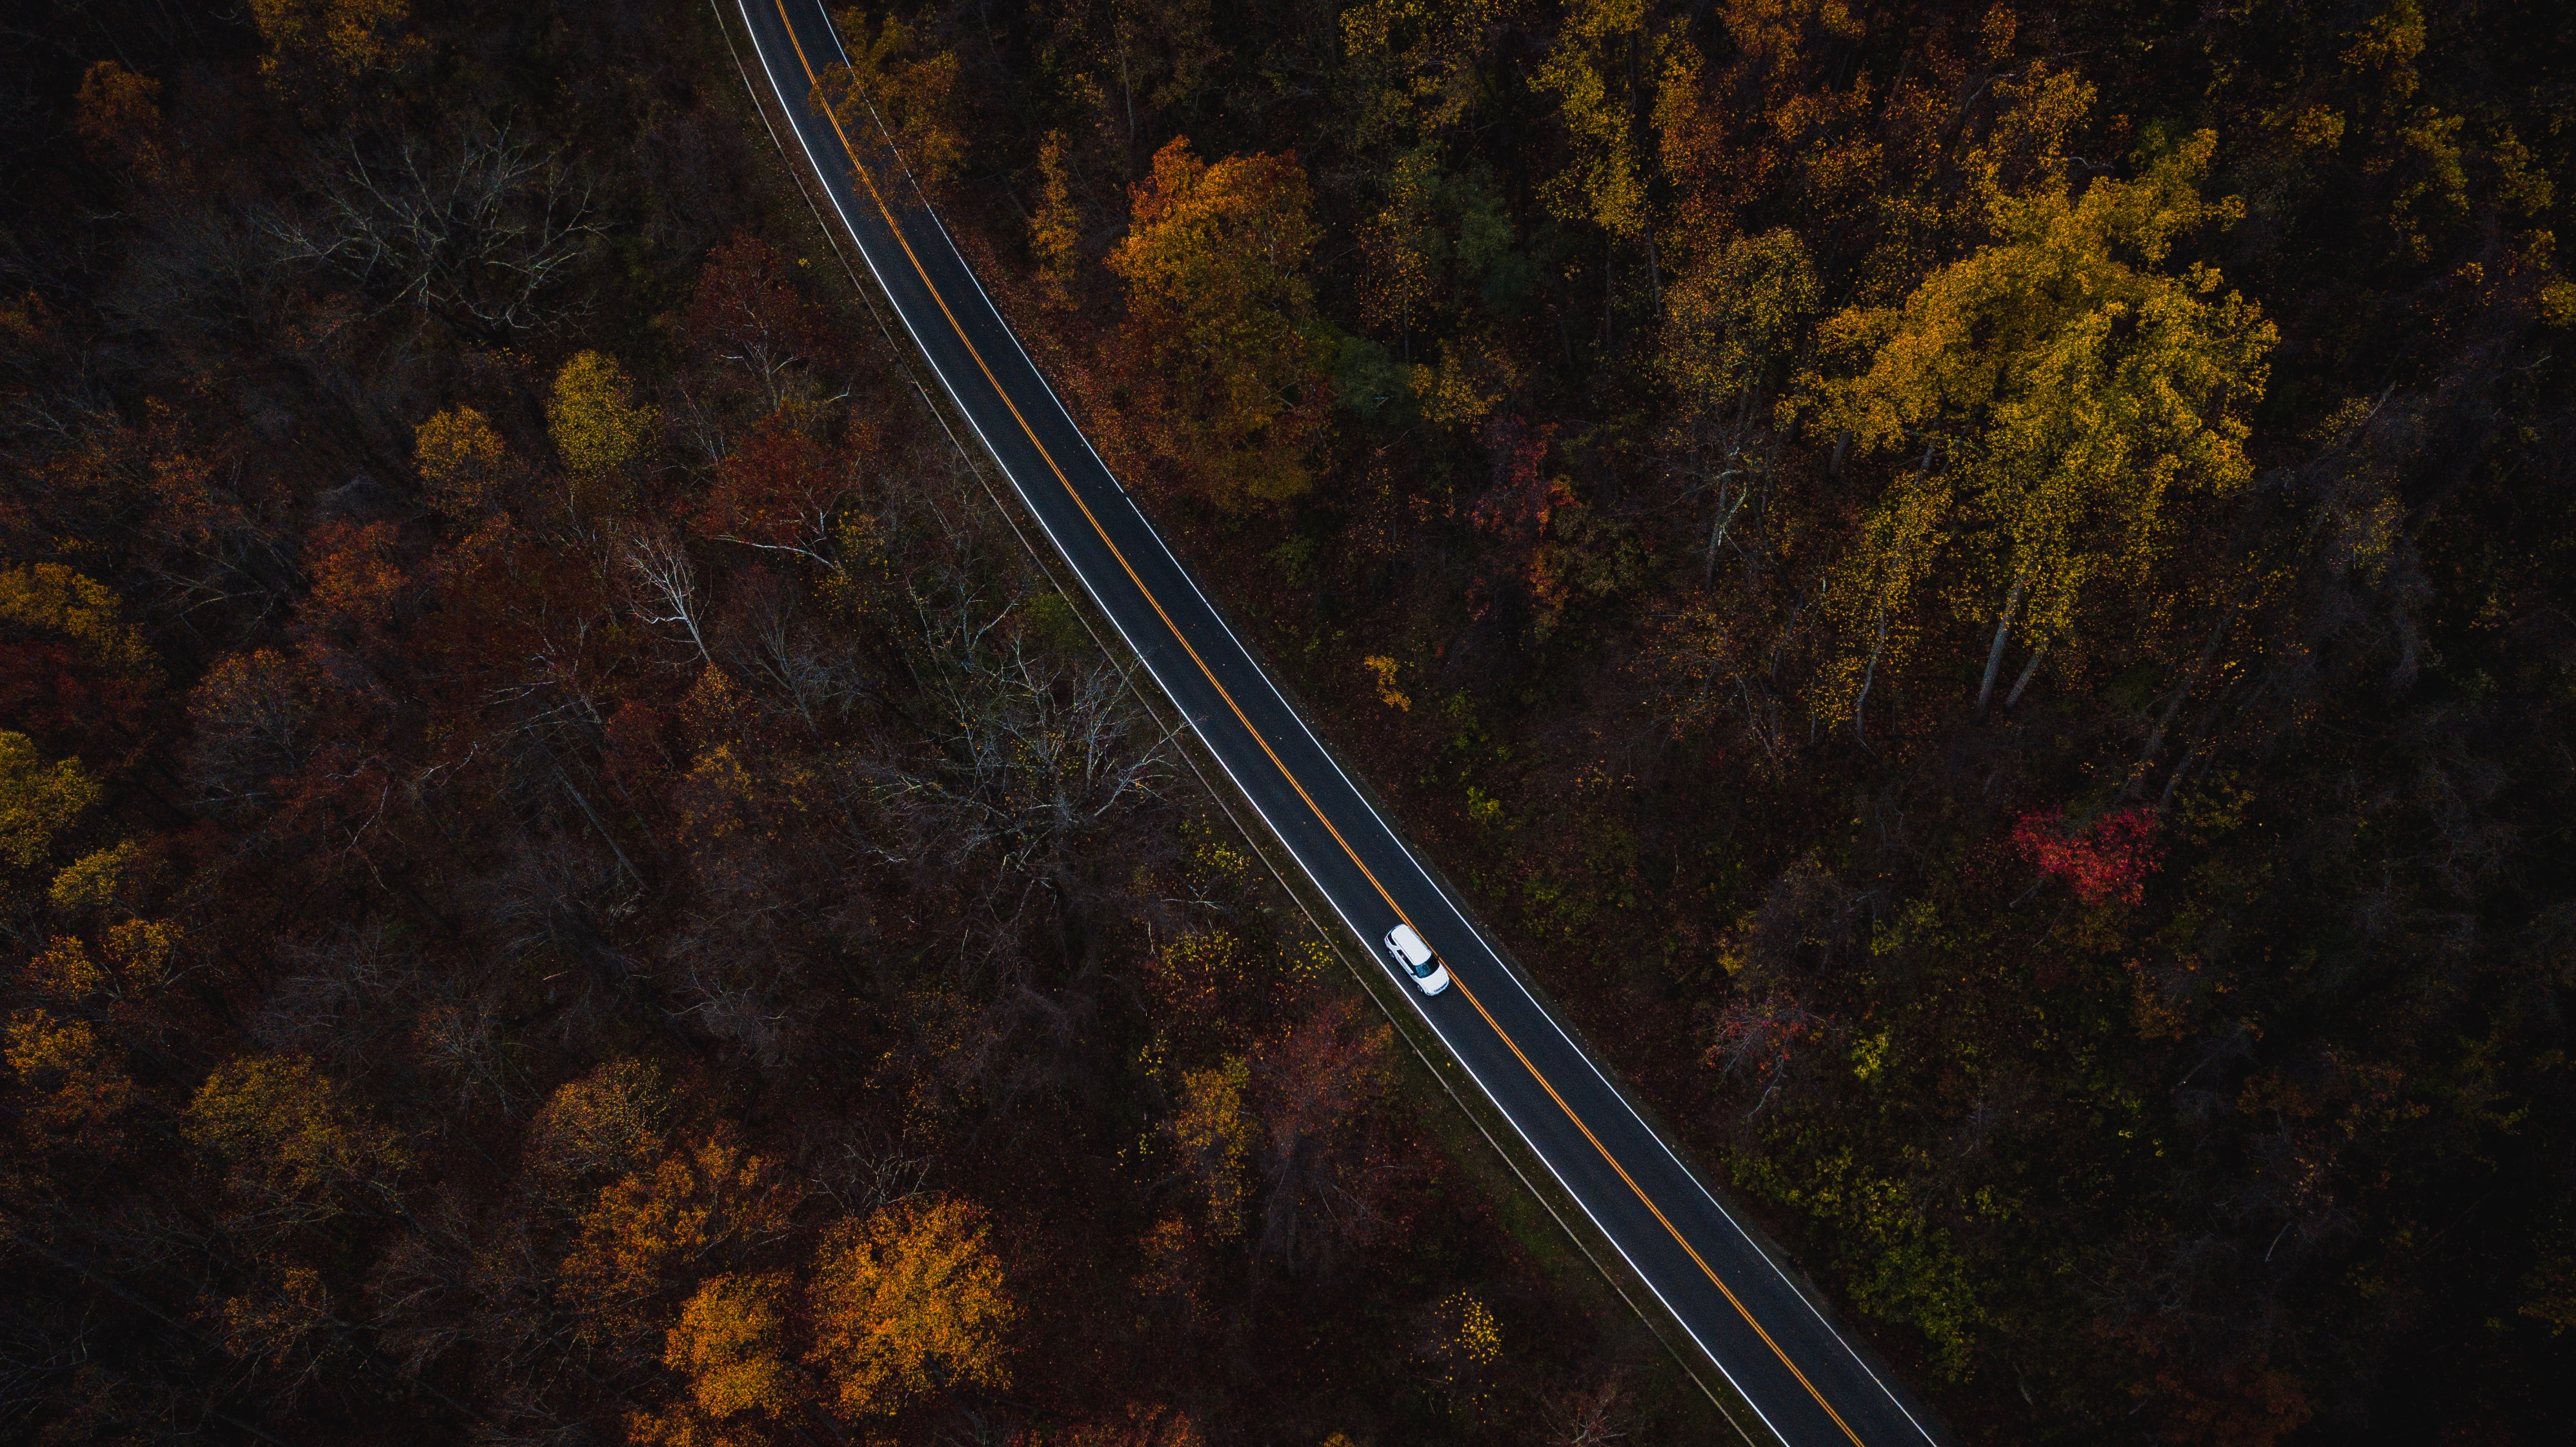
x=1995, y=654
x=2156, y=737
x=1869, y=675
x=2027, y=671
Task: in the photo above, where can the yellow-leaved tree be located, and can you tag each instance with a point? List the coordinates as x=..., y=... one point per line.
x=894, y=78
x=1409, y=67
x=1599, y=48
x=907, y=1300
x=463, y=462
x=1231, y=386
x=51, y=596
x=293, y=1149
x=74, y=1082
x=1731, y=323
x=1055, y=232
x=598, y=427
x=2063, y=387
x=1217, y=1131
x=329, y=41
x=38, y=800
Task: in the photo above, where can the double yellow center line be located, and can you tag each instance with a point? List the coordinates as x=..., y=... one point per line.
x=895, y=228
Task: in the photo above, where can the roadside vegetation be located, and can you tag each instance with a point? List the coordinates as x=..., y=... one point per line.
x=1982, y=594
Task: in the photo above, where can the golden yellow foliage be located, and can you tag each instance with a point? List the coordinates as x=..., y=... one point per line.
x=339, y=39
x=53, y=598
x=1480, y=1337
x=2062, y=387
x=285, y=1135
x=1216, y=1130
x=597, y=425
x=462, y=460
x=64, y=970
x=606, y=1124
x=1469, y=382
x=1601, y=43
x=721, y=797
x=1383, y=670
x=1734, y=316
x=889, y=78
x=908, y=1299
x=77, y=1084
x=1412, y=64
x=38, y=800
x=685, y=1426
x=141, y=950
x=1055, y=232
x=1400, y=245
x=91, y=882
x=730, y=1344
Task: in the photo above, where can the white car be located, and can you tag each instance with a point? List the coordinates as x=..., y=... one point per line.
x=1415, y=958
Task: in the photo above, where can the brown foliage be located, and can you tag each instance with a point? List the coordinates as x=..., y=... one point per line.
x=119, y=119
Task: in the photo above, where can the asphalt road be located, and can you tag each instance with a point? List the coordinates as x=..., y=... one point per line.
x=1801, y=1375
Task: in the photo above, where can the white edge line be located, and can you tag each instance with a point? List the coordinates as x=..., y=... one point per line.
x=1404, y=849
x=795, y=125
x=1401, y=846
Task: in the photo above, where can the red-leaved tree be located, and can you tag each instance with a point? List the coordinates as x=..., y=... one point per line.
x=2108, y=859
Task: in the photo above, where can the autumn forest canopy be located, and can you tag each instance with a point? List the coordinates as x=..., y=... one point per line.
x=1984, y=595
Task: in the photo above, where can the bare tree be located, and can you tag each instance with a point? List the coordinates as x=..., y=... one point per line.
x=667, y=594
x=478, y=230
x=1023, y=754
x=1590, y=1415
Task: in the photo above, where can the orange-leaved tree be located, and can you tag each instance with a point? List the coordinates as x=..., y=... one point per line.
x=1219, y=353
x=118, y=116
x=907, y=1300
x=730, y=1343
x=703, y=1205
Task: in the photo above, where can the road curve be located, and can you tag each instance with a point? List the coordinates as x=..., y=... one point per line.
x=1801, y=1375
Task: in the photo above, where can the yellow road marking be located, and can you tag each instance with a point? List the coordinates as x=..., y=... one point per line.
x=868, y=180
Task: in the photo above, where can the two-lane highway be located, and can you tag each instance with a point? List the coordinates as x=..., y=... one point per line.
x=1783, y=1356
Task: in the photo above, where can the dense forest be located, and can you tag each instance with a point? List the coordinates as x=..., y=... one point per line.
x=1982, y=595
